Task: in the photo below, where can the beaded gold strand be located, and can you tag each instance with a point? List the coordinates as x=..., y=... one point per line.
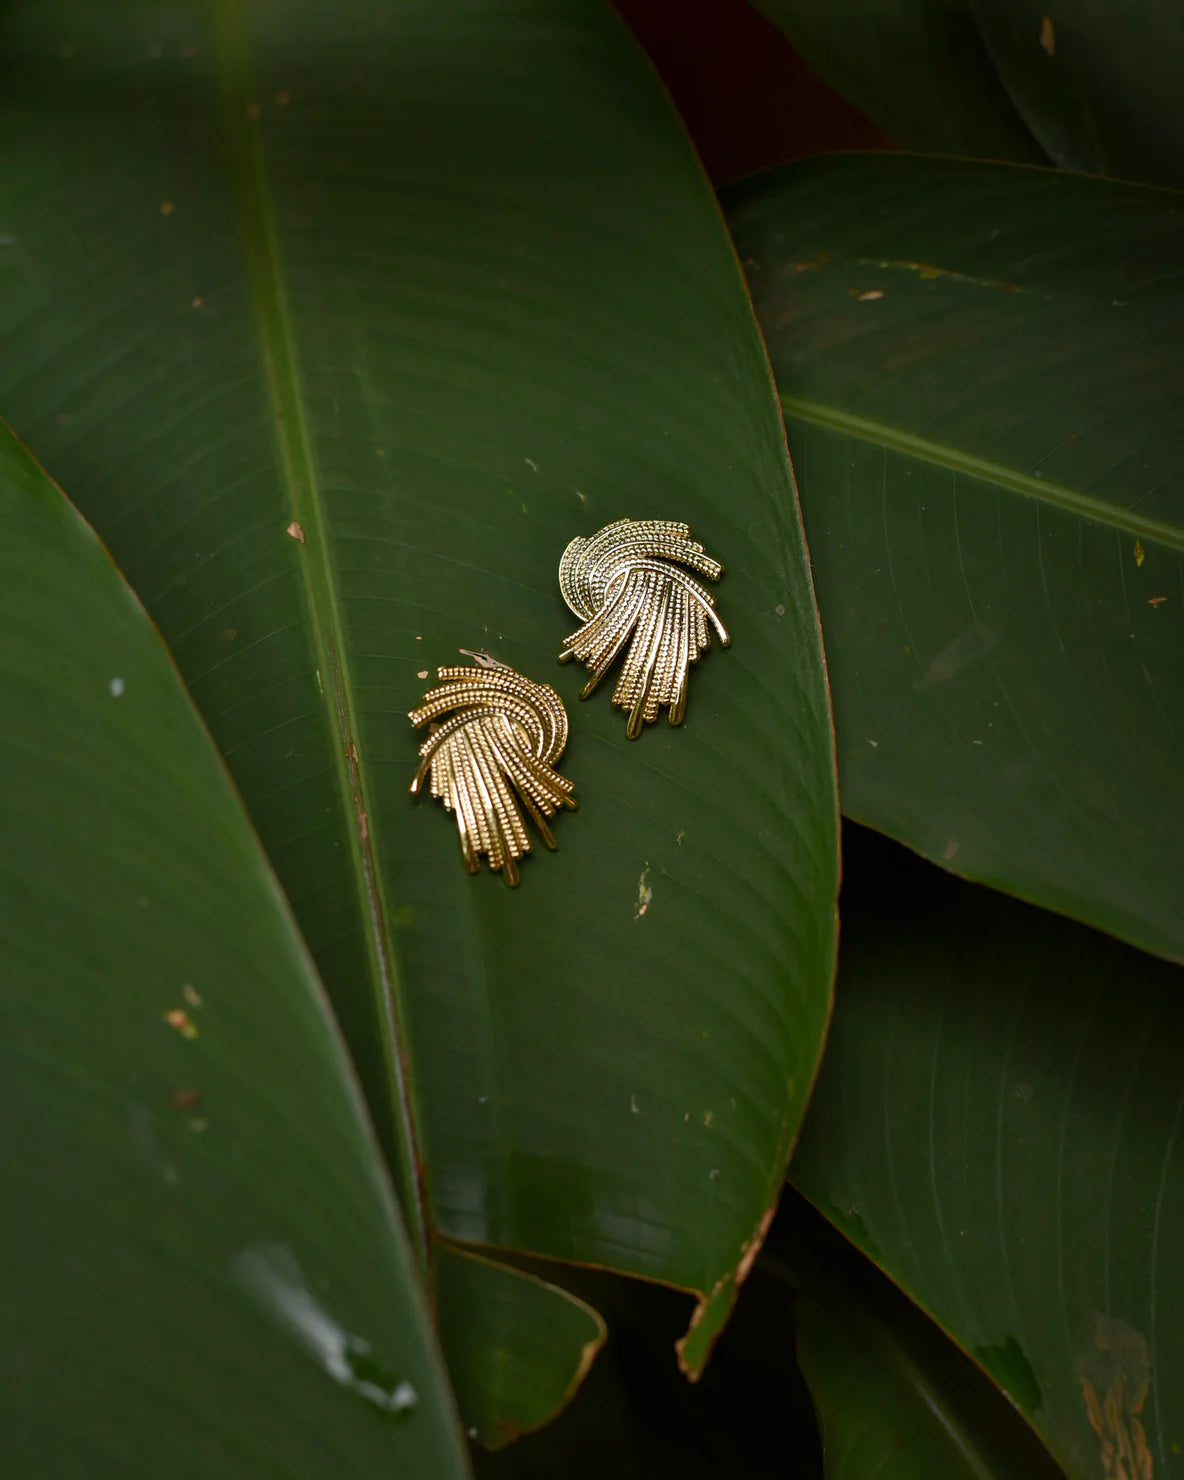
x=488, y=757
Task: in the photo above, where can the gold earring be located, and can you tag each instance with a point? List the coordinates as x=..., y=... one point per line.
x=491, y=756
x=626, y=582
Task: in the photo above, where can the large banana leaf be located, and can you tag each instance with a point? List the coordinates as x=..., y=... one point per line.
x=202, y=1269
x=980, y=372
x=917, y=68
x=998, y=1124
x=341, y=320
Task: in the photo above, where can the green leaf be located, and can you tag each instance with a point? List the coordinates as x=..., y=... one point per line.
x=517, y=1347
x=895, y=1398
x=998, y=1125
x=636, y=1417
x=203, y=1270
x=441, y=284
x=979, y=371
x=1090, y=87
x=917, y=68
x=1098, y=85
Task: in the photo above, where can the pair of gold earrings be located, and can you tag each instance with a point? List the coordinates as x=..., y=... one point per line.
x=494, y=736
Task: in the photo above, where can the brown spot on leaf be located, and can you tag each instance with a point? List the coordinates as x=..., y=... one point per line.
x=870, y=296
x=1156, y=600
x=1139, y=555
x=1048, y=35
x=930, y=272
x=645, y=894
x=187, y=1099
x=178, y=1018
x=167, y=207
x=296, y=531
x=1114, y=1370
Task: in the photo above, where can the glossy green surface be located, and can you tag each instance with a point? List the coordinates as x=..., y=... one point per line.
x=917, y=68
x=441, y=282
x=517, y=1347
x=895, y=1398
x=985, y=402
x=1098, y=84
x=998, y=1125
x=202, y=1270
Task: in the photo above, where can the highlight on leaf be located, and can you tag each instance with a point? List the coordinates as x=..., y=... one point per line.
x=488, y=757
x=628, y=585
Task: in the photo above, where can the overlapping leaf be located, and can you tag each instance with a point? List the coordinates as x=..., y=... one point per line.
x=981, y=381
x=341, y=321
x=918, y=68
x=1097, y=85
x=201, y=1264
x=894, y=1397
x=1085, y=86
x=517, y=1348
x=998, y=1124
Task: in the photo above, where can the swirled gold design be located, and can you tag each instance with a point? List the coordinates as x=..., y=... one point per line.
x=630, y=583
x=493, y=738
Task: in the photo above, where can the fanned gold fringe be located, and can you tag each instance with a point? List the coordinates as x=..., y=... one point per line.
x=493, y=738
x=628, y=582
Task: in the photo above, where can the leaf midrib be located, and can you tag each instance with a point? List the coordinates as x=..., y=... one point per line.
x=277, y=341
x=1057, y=495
